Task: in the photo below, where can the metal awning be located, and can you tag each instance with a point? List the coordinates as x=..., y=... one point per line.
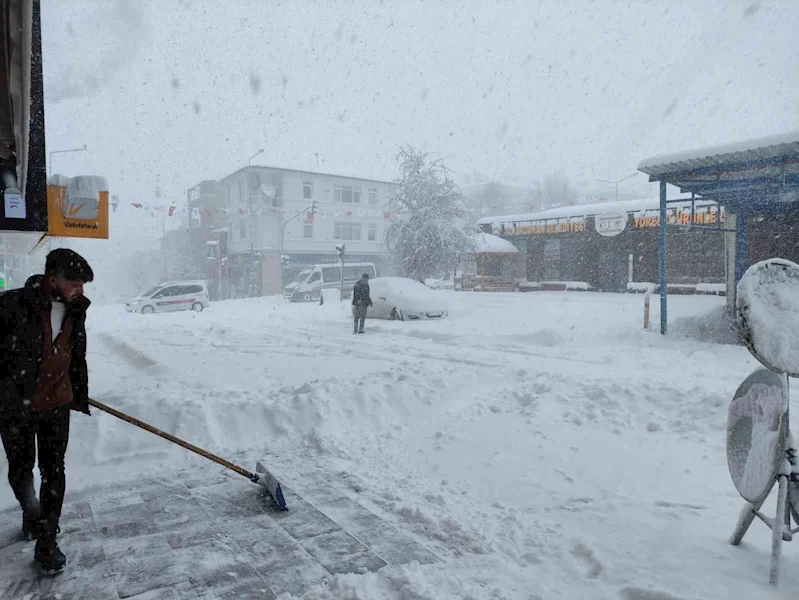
x=759, y=174
x=753, y=176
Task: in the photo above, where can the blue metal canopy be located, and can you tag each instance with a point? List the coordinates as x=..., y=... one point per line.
x=760, y=174
x=751, y=177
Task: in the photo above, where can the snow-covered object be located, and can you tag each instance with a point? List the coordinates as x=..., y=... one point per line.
x=580, y=286
x=768, y=308
x=711, y=288
x=782, y=139
x=641, y=207
x=757, y=429
x=410, y=298
x=492, y=244
x=641, y=286
x=86, y=186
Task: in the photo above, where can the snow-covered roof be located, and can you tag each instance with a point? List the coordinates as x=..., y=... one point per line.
x=584, y=210
x=491, y=244
x=756, y=147
x=761, y=173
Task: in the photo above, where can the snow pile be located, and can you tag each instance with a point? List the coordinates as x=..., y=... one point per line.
x=711, y=288
x=717, y=326
x=510, y=439
x=641, y=287
x=756, y=438
x=574, y=286
x=768, y=306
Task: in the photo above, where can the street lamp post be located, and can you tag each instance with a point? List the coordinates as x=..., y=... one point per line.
x=252, y=221
x=617, y=182
x=50, y=164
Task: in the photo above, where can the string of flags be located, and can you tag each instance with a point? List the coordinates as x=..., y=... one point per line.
x=197, y=213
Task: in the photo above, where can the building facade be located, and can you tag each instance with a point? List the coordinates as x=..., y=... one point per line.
x=613, y=247
x=264, y=209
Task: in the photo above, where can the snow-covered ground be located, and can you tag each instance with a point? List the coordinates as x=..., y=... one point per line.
x=542, y=445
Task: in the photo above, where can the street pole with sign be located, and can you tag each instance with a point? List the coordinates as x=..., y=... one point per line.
x=213, y=253
x=341, y=255
x=284, y=260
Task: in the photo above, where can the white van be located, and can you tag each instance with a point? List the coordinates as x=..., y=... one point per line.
x=172, y=296
x=308, y=285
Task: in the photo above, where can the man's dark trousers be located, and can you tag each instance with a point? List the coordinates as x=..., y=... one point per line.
x=49, y=431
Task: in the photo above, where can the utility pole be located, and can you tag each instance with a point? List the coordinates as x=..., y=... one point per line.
x=252, y=223
x=341, y=255
x=284, y=260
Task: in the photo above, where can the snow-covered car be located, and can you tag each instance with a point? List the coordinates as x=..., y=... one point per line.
x=398, y=298
x=440, y=284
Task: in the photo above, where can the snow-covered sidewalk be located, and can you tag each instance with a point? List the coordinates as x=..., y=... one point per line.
x=538, y=445
x=200, y=535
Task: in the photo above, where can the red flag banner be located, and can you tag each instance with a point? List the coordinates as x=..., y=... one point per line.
x=171, y=210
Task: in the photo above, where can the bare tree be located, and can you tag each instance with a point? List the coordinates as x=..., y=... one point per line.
x=557, y=190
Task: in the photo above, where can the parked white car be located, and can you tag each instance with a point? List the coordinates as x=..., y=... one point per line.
x=398, y=298
x=172, y=296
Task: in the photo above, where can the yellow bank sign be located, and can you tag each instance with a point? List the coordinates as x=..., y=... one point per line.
x=77, y=207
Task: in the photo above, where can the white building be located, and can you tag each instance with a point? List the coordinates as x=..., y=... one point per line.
x=348, y=210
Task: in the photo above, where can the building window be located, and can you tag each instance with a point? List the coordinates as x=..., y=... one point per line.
x=307, y=190
x=242, y=229
x=307, y=228
x=347, y=194
x=372, y=196
x=347, y=231
x=372, y=232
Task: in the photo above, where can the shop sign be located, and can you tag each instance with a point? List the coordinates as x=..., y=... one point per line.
x=210, y=250
x=78, y=207
x=610, y=224
x=546, y=228
x=680, y=217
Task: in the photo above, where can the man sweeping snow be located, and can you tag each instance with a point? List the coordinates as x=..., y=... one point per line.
x=43, y=376
x=360, y=302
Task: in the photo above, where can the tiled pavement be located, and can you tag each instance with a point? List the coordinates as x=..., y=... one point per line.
x=201, y=537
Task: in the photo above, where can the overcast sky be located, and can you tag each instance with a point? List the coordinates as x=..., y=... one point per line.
x=166, y=93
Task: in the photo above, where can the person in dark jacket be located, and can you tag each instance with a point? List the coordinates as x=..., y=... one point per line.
x=43, y=376
x=360, y=302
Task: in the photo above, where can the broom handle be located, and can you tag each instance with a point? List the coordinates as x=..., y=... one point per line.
x=172, y=438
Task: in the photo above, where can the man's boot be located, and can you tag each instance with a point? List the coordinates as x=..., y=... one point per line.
x=47, y=553
x=31, y=514
x=31, y=527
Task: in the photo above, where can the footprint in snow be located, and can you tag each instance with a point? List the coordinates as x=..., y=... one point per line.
x=592, y=567
x=636, y=593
